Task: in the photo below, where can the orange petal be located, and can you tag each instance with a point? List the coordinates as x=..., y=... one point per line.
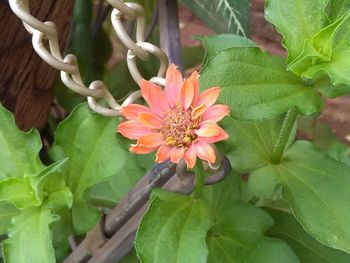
x=151, y=140
x=176, y=154
x=190, y=157
x=194, y=78
x=173, y=84
x=186, y=94
x=205, y=151
x=151, y=120
x=140, y=149
x=208, y=129
x=131, y=111
x=221, y=137
x=198, y=111
x=154, y=96
x=133, y=129
x=163, y=153
x=209, y=96
x=216, y=113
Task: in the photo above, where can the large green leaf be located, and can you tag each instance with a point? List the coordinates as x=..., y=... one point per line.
x=224, y=16
x=252, y=142
x=256, y=86
x=297, y=21
x=19, y=150
x=30, y=237
x=305, y=246
x=95, y=154
x=173, y=230
x=338, y=8
x=216, y=43
x=316, y=186
x=238, y=233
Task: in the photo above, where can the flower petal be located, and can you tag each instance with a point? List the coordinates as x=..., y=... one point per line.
x=221, y=137
x=186, y=94
x=133, y=129
x=154, y=96
x=131, y=111
x=151, y=140
x=194, y=78
x=209, y=96
x=176, y=154
x=163, y=153
x=216, y=113
x=205, y=151
x=151, y=120
x=173, y=84
x=208, y=129
x=140, y=149
x=198, y=111
x=190, y=157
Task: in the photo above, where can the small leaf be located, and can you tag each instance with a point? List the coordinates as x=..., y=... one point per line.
x=337, y=69
x=256, y=86
x=297, y=21
x=252, y=142
x=30, y=237
x=216, y=43
x=19, y=150
x=305, y=246
x=316, y=186
x=224, y=16
x=174, y=230
x=95, y=154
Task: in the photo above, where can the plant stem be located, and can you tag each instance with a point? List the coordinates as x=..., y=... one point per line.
x=200, y=177
x=284, y=135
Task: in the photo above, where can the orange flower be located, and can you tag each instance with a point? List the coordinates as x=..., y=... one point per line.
x=180, y=122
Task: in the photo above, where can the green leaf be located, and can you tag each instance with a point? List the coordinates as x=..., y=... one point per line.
x=252, y=142
x=305, y=246
x=224, y=16
x=297, y=21
x=238, y=235
x=30, y=237
x=320, y=48
x=338, y=8
x=19, y=150
x=216, y=43
x=95, y=154
x=316, y=186
x=110, y=192
x=7, y=211
x=174, y=230
x=337, y=69
x=18, y=192
x=256, y=86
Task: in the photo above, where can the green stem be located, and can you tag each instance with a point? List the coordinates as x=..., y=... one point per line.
x=200, y=178
x=284, y=135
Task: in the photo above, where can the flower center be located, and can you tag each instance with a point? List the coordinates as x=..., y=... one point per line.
x=178, y=127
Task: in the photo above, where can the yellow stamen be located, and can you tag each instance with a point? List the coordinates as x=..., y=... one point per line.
x=170, y=140
x=187, y=140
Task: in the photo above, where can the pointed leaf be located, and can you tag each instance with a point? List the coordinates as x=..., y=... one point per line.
x=174, y=230
x=256, y=86
x=224, y=16
x=7, y=211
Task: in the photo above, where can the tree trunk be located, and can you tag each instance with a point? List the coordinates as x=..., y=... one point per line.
x=26, y=82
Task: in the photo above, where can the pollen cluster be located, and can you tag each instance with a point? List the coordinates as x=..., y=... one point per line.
x=178, y=128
